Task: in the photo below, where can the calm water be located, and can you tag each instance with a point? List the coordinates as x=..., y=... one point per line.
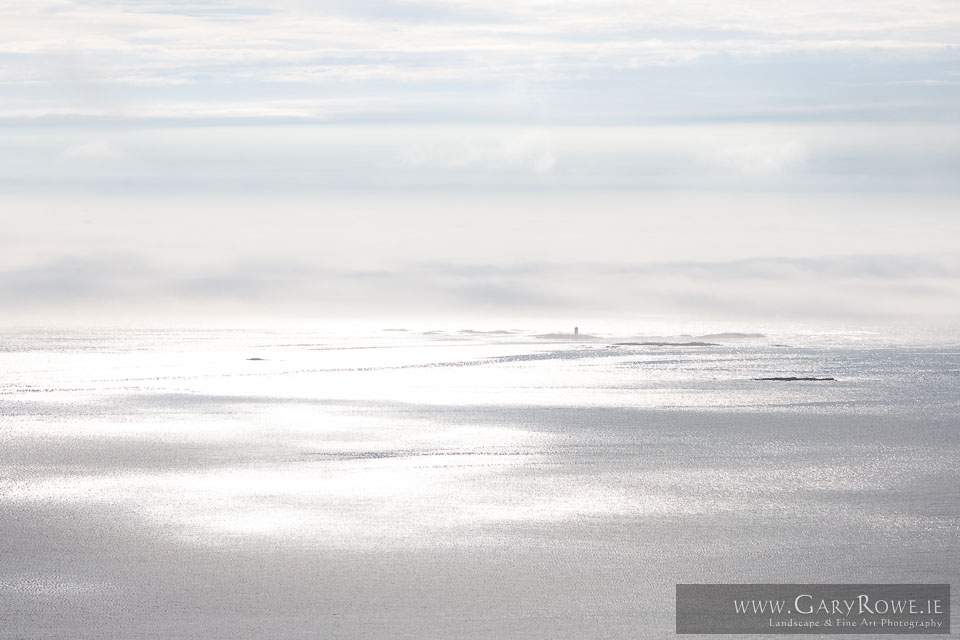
x=403, y=484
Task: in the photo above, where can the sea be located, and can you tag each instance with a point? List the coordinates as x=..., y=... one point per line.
x=457, y=482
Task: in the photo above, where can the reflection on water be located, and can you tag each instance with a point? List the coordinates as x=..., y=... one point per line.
x=164, y=484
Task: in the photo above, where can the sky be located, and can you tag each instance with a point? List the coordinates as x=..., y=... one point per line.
x=562, y=159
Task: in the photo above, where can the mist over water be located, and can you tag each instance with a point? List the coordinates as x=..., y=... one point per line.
x=416, y=483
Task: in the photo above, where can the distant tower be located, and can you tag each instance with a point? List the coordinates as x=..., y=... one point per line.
x=576, y=331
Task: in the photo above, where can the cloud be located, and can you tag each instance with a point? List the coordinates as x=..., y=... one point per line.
x=317, y=158
x=531, y=149
x=96, y=150
x=455, y=61
x=875, y=267
x=491, y=151
x=764, y=157
x=880, y=286
x=65, y=281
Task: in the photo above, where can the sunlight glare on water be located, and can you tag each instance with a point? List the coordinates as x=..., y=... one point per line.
x=580, y=478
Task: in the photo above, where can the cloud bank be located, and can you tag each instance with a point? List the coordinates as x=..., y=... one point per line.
x=848, y=287
x=230, y=156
